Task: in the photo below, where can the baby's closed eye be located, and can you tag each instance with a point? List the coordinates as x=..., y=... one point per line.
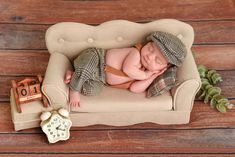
x=158, y=60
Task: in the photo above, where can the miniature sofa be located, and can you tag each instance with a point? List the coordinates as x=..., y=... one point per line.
x=117, y=107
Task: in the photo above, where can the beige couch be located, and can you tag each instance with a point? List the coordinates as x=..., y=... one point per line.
x=115, y=106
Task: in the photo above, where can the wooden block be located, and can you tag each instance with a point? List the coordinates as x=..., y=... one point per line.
x=28, y=90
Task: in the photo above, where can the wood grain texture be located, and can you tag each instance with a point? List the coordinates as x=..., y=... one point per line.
x=48, y=12
x=227, y=84
x=23, y=62
x=21, y=36
x=219, y=57
x=126, y=141
x=65, y=154
x=202, y=117
x=214, y=32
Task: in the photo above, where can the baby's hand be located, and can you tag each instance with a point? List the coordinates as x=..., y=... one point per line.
x=74, y=99
x=163, y=70
x=159, y=72
x=149, y=73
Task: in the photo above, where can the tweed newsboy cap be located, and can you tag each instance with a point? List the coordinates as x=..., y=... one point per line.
x=171, y=46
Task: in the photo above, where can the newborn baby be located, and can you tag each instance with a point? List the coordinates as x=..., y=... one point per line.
x=132, y=68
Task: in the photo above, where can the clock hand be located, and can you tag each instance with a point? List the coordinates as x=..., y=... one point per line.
x=58, y=127
x=61, y=129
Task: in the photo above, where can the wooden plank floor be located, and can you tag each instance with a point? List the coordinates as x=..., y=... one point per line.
x=23, y=53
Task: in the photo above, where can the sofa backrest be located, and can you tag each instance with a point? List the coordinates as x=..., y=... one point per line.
x=70, y=38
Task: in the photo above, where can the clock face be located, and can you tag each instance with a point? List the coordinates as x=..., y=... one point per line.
x=57, y=128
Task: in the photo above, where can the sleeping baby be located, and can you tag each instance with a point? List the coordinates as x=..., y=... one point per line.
x=132, y=68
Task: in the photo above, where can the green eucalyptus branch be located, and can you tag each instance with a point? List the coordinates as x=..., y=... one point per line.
x=209, y=93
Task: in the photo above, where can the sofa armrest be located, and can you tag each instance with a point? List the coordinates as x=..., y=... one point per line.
x=53, y=85
x=190, y=83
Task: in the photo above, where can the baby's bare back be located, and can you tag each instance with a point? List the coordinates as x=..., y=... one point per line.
x=115, y=59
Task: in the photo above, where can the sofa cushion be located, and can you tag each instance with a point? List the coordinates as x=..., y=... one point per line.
x=119, y=100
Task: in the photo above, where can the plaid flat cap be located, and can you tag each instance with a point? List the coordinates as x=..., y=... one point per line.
x=171, y=47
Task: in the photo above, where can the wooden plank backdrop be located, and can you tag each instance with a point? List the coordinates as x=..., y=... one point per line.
x=23, y=24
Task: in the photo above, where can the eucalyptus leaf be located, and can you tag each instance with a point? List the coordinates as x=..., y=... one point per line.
x=210, y=93
x=216, y=78
x=210, y=73
x=202, y=96
x=204, y=84
x=221, y=107
x=204, y=80
x=208, y=87
x=223, y=100
x=214, y=90
x=213, y=103
x=207, y=98
x=218, y=97
x=202, y=70
x=199, y=93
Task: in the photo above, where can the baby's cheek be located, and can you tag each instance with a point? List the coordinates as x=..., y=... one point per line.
x=156, y=67
x=150, y=49
x=160, y=67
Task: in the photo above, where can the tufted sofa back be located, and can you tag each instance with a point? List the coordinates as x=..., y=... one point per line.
x=70, y=38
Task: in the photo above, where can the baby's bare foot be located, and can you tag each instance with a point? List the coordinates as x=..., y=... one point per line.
x=74, y=99
x=68, y=76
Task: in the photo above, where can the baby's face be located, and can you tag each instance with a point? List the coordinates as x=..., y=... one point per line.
x=152, y=58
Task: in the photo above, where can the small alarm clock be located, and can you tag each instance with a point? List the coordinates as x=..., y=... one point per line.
x=56, y=125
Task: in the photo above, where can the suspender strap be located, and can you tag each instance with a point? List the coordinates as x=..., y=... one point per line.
x=123, y=85
x=118, y=72
x=114, y=71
